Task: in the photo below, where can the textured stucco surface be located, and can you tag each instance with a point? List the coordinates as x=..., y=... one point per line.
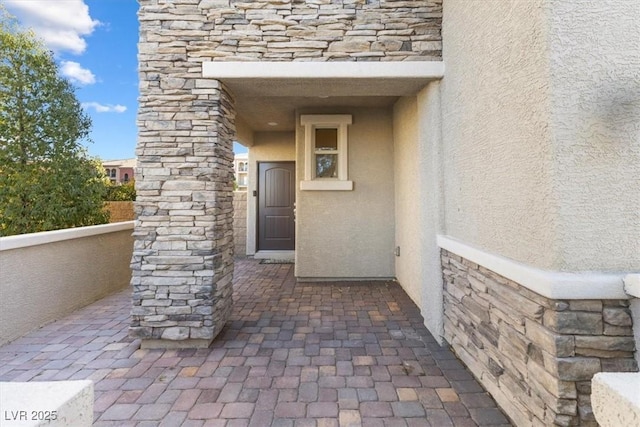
x=267, y=147
x=616, y=399
x=541, y=105
x=430, y=131
x=42, y=283
x=244, y=133
x=497, y=144
x=350, y=234
x=239, y=223
x=418, y=204
x=408, y=197
x=595, y=119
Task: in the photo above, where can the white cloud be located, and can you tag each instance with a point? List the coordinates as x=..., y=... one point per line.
x=77, y=74
x=101, y=108
x=62, y=24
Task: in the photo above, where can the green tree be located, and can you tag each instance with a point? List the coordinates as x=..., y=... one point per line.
x=121, y=192
x=47, y=179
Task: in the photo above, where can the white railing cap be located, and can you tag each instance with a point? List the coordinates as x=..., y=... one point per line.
x=34, y=239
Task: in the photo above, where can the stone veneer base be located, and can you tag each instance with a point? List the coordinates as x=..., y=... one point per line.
x=535, y=355
x=170, y=345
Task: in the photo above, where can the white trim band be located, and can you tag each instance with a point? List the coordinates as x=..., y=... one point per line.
x=324, y=70
x=34, y=239
x=632, y=284
x=326, y=185
x=551, y=284
x=615, y=398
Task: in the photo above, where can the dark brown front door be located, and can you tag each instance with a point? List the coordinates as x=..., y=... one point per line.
x=276, y=202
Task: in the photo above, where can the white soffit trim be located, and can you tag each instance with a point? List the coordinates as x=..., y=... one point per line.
x=430, y=70
x=551, y=284
x=34, y=239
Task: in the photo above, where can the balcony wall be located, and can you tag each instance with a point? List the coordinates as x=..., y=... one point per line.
x=45, y=276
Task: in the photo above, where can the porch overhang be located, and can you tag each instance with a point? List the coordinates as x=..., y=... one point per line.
x=266, y=94
x=398, y=78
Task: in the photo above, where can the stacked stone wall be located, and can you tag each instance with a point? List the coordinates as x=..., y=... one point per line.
x=285, y=30
x=240, y=223
x=535, y=355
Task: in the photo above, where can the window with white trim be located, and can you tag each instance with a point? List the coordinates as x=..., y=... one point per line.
x=326, y=152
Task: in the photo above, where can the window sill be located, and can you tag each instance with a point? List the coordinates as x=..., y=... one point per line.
x=326, y=185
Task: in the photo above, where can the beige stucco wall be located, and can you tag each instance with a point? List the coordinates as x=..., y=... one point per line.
x=418, y=201
x=44, y=282
x=350, y=234
x=244, y=133
x=595, y=122
x=267, y=146
x=240, y=223
x=407, y=165
x=541, y=105
x=496, y=138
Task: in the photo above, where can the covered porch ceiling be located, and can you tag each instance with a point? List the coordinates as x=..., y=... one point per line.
x=268, y=93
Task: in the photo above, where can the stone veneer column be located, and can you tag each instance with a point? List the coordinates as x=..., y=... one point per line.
x=535, y=355
x=183, y=254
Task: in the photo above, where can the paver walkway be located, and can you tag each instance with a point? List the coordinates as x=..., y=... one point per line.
x=294, y=354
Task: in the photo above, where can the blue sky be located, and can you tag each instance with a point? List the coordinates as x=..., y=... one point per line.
x=94, y=42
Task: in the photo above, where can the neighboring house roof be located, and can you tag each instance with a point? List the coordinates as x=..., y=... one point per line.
x=123, y=163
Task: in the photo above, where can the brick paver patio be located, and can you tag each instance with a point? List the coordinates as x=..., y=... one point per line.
x=293, y=354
